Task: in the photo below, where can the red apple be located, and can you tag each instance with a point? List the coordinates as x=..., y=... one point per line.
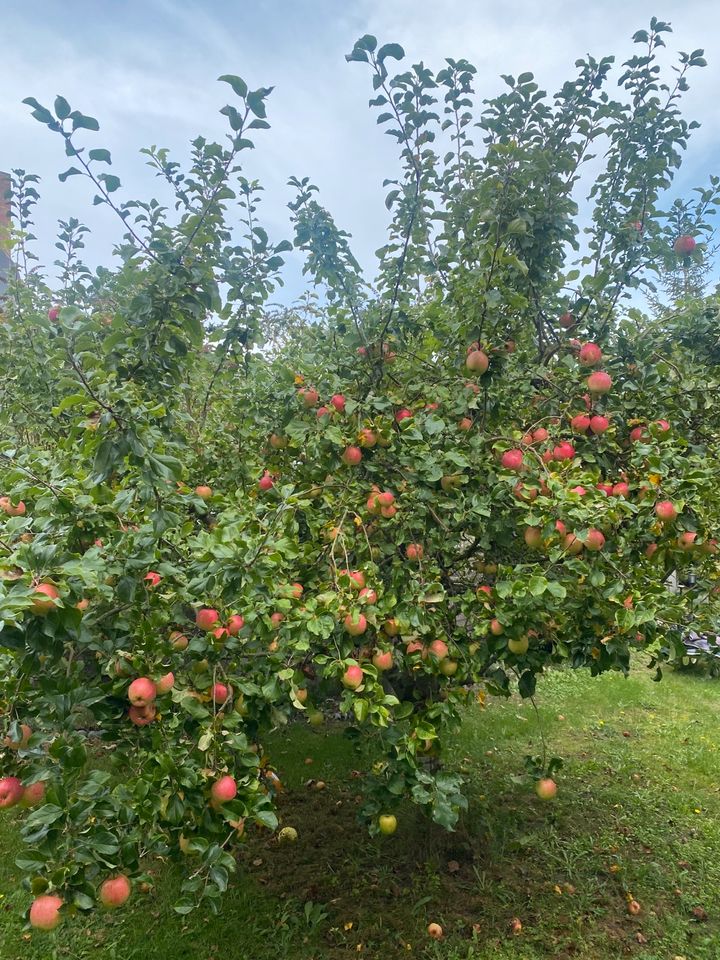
x=477, y=361
x=580, y=423
x=367, y=438
x=25, y=734
x=206, y=618
x=152, y=579
x=403, y=414
x=178, y=640
x=572, y=545
x=564, y=450
x=621, y=489
x=367, y=595
x=266, y=482
x=414, y=552
x=590, y=355
x=11, y=792
x=599, y=424
x=115, y=892
x=142, y=692
x=6, y=504
x=45, y=912
x=277, y=442
x=496, y=628
x=165, y=683
x=235, y=624
x=220, y=693
x=684, y=245
x=142, y=716
x=355, y=624
x=309, y=396
x=465, y=424
x=51, y=594
x=686, y=541
x=533, y=537
x=566, y=321
x=203, y=492
x=512, y=459
x=546, y=788
x=351, y=456
x=353, y=677
x=666, y=511
x=357, y=578
x=383, y=659
x=338, y=401
x=594, y=540
x=223, y=790
x=33, y=795
x=54, y=313
x=439, y=649
x=599, y=382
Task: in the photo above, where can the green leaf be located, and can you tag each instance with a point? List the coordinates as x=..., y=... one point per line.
x=62, y=108
x=81, y=122
x=82, y=901
x=101, y=155
x=393, y=50
x=70, y=172
x=184, y=906
x=526, y=684
x=110, y=182
x=361, y=708
x=255, y=102
x=237, y=83
x=39, y=112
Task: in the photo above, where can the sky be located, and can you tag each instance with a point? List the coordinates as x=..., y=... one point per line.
x=147, y=70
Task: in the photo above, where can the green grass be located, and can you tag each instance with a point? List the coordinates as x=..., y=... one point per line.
x=638, y=813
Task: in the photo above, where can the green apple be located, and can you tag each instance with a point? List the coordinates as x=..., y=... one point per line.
x=387, y=824
x=519, y=647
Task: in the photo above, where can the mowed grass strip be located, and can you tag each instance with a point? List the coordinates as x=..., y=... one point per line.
x=637, y=817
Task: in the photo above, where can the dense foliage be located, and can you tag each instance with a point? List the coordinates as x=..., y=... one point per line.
x=403, y=494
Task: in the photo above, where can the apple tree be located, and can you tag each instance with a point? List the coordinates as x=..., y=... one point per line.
x=396, y=497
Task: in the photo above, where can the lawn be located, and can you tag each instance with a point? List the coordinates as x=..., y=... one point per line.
x=637, y=816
